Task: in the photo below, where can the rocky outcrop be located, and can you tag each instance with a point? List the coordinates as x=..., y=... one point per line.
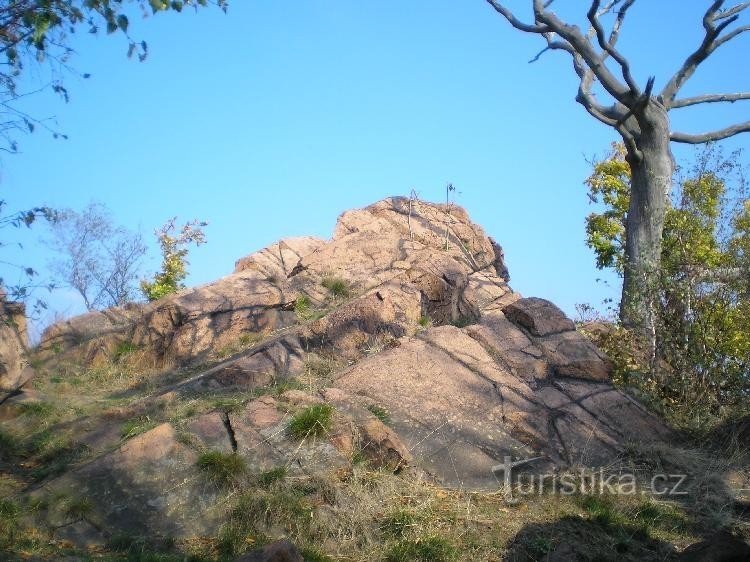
x=436, y=367
x=371, y=249
x=14, y=370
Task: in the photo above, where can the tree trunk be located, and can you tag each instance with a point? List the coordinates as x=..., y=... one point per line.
x=652, y=166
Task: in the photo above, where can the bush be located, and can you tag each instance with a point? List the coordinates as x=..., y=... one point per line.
x=314, y=420
x=174, y=251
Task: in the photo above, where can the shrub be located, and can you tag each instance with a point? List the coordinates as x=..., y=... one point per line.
x=336, y=286
x=314, y=420
x=220, y=468
x=174, y=251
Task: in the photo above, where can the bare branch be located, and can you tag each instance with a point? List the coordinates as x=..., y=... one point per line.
x=514, y=21
x=713, y=136
x=711, y=41
x=734, y=33
x=731, y=11
x=608, y=47
x=710, y=98
x=581, y=45
x=615, y=33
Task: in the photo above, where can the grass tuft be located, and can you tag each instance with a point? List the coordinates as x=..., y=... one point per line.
x=381, y=413
x=314, y=420
x=337, y=287
x=78, y=508
x=265, y=479
x=123, y=349
x=428, y=549
x=302, y=307
x=398, y=523
x=314, y=555
x=220, y=468
x=137, y=426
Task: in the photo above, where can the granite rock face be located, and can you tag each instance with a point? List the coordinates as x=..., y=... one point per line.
x=430, y=361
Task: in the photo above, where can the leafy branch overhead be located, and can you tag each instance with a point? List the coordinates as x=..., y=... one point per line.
x=33, y=31
x=22, y=290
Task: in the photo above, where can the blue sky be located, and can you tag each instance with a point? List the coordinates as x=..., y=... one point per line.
x=271, y=120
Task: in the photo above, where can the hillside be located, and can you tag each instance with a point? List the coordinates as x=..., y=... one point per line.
x=355, y=395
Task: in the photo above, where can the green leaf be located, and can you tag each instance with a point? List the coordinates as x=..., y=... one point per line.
x=122, y=22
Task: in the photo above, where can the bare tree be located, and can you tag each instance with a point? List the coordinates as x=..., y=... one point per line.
x=640, y=115
x=97, y=259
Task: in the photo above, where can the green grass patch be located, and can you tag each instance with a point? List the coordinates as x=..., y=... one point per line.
x=303, y=307
x=124, y=349
x=381, y=413
x=398, y=523
x=425, y=321
x=601, y=509
x=314, y=420
x=463, y=321
x=41, y=410
x=337, y=287
x=136, y=426
x=78, y=508
x=255, y=512
x=268, y=477
x=10, y=445
x=220, y=468
x=314, y=555
x=428, y=549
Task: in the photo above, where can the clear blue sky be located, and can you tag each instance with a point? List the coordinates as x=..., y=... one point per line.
x=271, y=120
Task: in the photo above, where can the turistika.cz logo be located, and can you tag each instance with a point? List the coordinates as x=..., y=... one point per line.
x=589, y=481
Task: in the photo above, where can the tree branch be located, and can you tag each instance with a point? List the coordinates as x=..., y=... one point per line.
x=514, y=21
x=713, y=136
x=581, y=45
x=571, y=40
x=711, y=41
x=710, y=98
x=608, y=46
